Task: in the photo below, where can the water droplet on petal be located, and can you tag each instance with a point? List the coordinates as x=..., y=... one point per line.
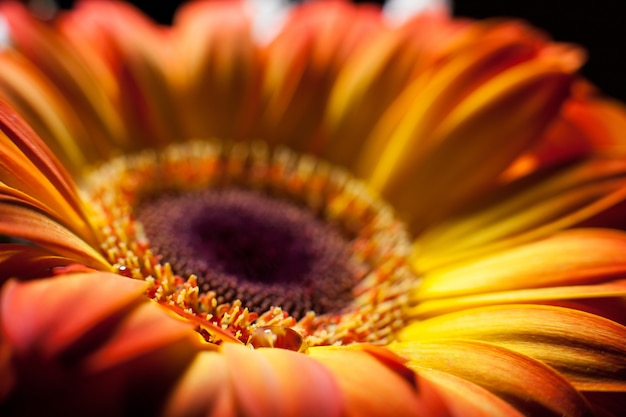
x=277, y=337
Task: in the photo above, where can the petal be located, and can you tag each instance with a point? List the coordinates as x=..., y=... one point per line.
x=147, y=329
x=447, y=395
x=39, y=102
x=204, y=389
x=368, y=386
x=279, y=382
x=94, y=295
x=528, y=385
x=26, y=164
x=589, y=350
x=586, y=124
x=560, y=260
x=303, y=61
x=551, y=295
x=372, y=78
x=91, y=344
x=447, y=140
x=221, y=63
x=263, y=382
x=40, y=263
x=62, y=63
x=527, y=210
x=146, y=66
x=22, y=223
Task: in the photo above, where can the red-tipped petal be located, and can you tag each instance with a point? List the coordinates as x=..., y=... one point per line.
x=47, y=316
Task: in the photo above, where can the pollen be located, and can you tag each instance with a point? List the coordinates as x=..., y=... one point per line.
x=250, y=240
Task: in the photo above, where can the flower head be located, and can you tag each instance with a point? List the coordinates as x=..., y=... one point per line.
x=352, y=216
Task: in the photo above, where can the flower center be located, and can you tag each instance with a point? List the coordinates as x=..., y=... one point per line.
x=245, y=240
x=248, y=246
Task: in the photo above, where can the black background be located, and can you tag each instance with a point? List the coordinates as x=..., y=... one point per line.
x=598, y=25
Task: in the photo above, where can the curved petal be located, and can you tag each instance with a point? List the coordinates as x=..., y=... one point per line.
x=302, y=64
x=90, y=344
x=281, y=383
x=530, y=386
x=223, y=69
x=27, y=165
x=41, y=263
x=29, y=225
x=586, y=124
x=551, y=295
x=203, y=390
x=62, y=63
x=437, y=146
x=368, y=386
x=589, y=350
x=42, y=105
x=527, y=210
x=146, y=67
x=444, y=394
x=29, y=330
x=560, y=260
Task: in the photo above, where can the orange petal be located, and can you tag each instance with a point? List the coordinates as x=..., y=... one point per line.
x=368, y=386
x=589, y=350
x=44, y=45
x=204, y=389
x=13, y=258
x=443, y=394
x=147, y=328
x=26, y=224
x=222, y=67
x=585, y=125
x=281, y=383
x=46, y=111
x=302, y=63
x=530, y=386
x=560, y=260
x=56, y=323
x=146, y=67
x=27, y=164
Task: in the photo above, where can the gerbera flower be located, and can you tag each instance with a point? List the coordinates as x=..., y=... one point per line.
x=347, y=216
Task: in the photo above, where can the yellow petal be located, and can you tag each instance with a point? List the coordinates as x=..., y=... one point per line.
x=530, y=386
x=426, y=167
x=563, y=259
x=531, y=209
x=376, y=73
x=550, y=295
x=589, y=350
